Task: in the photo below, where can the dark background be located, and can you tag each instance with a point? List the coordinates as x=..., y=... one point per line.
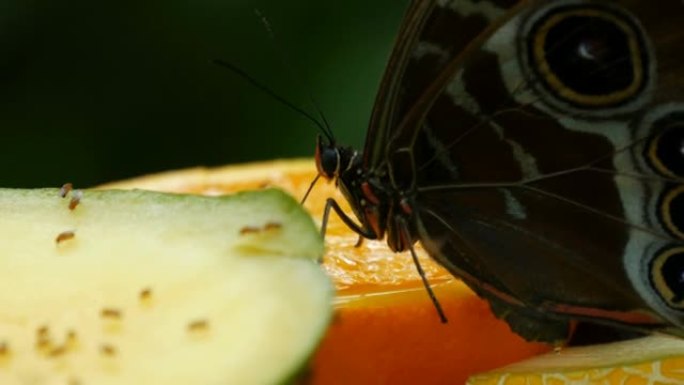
x=93, y=91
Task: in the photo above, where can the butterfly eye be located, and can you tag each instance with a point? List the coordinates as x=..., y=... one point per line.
x=590, y=57
x=665, y=151
x=327, y=159
x=667, y=276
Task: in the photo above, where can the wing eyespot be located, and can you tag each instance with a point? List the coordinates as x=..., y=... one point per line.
x=590, y=56
x=671, y=211
x=665, y=150
x=667, y=276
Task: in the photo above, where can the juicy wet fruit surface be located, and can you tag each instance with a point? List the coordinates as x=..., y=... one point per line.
x=386, y=330
x=147, y=288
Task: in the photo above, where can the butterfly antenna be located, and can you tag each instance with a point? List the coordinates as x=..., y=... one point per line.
x=322, y=116
x=272, y=94
x=285, y=59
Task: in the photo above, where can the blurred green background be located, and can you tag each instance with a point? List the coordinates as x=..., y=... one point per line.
x=93, y=91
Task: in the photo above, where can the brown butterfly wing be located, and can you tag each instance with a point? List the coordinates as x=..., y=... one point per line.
x=414, y=64
x=554, y=203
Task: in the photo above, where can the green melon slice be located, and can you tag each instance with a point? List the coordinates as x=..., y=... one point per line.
x=133, y=287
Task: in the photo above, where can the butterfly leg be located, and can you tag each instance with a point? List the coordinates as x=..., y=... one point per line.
x=361, y=230
x=438, y=307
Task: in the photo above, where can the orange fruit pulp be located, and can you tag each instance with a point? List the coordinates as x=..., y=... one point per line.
x=386, y=330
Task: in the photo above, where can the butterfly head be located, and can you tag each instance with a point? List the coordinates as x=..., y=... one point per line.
x=332, y=160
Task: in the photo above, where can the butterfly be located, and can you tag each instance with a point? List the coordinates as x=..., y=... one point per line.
x=536, y=150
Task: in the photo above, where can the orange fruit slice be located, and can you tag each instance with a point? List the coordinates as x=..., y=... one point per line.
x=386, y=329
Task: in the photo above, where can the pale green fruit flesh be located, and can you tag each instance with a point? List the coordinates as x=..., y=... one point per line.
x=158, y=288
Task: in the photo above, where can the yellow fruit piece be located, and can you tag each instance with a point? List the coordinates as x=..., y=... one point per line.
x=655, y=360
